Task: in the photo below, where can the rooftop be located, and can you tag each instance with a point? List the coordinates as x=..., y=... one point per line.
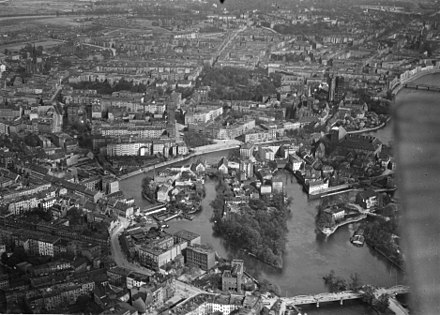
x=186, y=235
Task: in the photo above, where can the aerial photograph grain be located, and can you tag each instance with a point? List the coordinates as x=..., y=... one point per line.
x=225, y=157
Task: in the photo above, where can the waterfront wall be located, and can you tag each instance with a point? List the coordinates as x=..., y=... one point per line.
x=176, y=160
x=398, y=83
x=369, y=129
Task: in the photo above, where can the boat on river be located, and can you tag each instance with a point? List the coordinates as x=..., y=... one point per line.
x=358, y=238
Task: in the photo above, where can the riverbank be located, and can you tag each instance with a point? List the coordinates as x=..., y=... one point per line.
x=218, y=147
x=370, y=129
x=308, y=256
x=387, y=257
x=327, y=231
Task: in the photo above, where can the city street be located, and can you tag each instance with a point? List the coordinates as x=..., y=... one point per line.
x=219, y=145
x=117, y=254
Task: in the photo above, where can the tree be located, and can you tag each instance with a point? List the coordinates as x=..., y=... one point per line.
x=381, y=303
x=354, y=282
x=367, y=295
x=32, y=140
x=39, y=51
x=272, y=165
x=4, y=257
x=334, y=283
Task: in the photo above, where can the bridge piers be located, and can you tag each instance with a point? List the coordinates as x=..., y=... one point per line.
x=341, y=302
x=317, y=304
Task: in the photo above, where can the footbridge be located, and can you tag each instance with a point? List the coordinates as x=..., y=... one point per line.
x=426, y=87
x=340, y=296
x=405, y=79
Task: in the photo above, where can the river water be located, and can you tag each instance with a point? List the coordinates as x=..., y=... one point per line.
x=308, y=256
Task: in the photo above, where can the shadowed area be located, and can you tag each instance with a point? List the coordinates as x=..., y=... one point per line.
x=418, y=151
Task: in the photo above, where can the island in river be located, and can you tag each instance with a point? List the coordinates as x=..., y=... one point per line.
x=256, y=225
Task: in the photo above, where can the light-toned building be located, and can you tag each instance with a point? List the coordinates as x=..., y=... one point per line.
x=203, y=116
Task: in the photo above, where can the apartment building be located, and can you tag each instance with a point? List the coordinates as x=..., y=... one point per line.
x=202, y=117
x=129, y=149
x=156, y=257
x=41, y=244
x=200, y=256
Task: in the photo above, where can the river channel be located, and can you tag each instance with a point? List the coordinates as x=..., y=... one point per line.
x=308, y=256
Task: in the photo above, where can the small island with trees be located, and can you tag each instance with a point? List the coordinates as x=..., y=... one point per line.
x=180, y=190
x=257, y=227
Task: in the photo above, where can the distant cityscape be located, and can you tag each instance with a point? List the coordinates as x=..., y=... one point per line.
x=94, y=93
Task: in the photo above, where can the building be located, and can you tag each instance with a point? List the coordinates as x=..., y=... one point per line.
x=337, y=134
x=246, y=169
x=335, y=213
x=47, y=115
x=128, y=149
x=163, y=193
x=203, y=116
x=266, y=153
x=136, y=280
x=23, y=204
x=41, y=244
x=223, y=166
x=295, y=163
x=233, y=131
x=110, y=185
x=201, y=257
x=361, y=144
x=337, y=89
x=233, y=279
x=260, y=136
x=367, y=199
x=198, y=167
x=316, y=186
x=187, y=237
x=156, y=257
x=247, y=150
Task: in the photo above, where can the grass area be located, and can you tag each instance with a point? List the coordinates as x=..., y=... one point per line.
x=194, y=139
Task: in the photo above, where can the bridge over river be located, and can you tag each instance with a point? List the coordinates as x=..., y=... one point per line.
x=426, y=87
x=341, y=296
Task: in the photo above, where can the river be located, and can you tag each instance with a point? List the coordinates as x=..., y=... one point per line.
x=308, y=256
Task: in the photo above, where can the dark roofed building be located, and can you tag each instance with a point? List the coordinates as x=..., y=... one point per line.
x=202, y=257
x=188, y=237
x=361, y=143
x=232, y=279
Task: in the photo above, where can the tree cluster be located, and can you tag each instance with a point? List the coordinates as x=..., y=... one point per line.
x=31, y=51
x=316, y=28
x=194, y=139
x=377, y=106
x=336, y=284
x=19, y=255
x=237, y=83
x=380, y=303
x=149, y=188
x=379, y=234
x=106, y=88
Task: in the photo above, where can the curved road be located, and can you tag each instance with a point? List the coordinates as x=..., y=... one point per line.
x=117, y=254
